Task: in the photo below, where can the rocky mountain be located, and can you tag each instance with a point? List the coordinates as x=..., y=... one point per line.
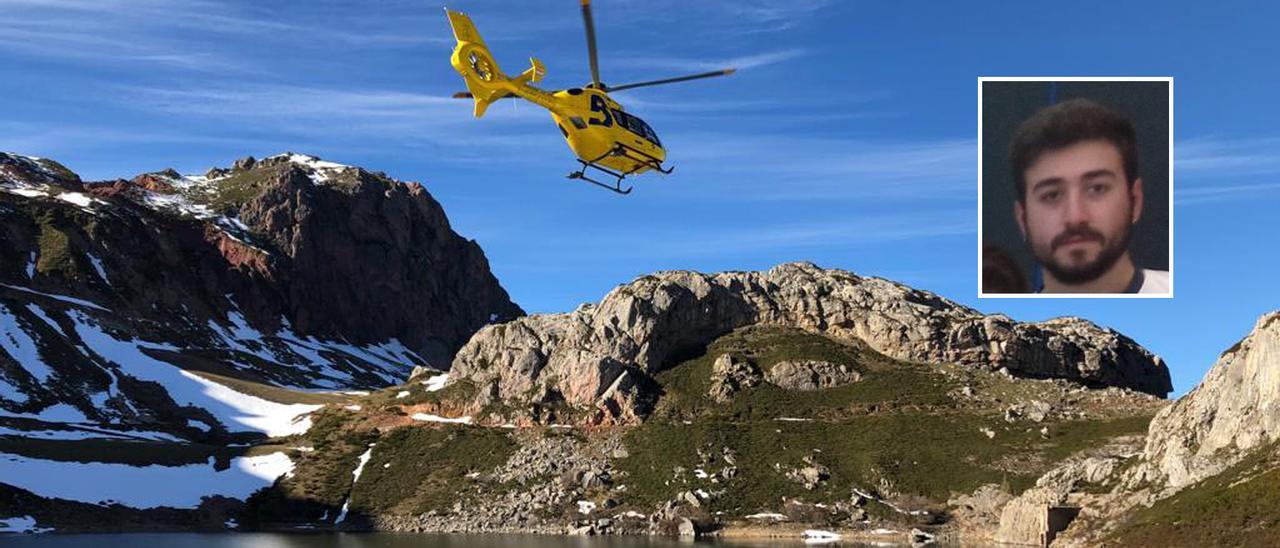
x=1206, y=473
x=604, y=355
x=248, y=335
x=1233, y=412
x=688, y=403
x=126, y=304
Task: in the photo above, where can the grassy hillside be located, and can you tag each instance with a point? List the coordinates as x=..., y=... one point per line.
x=1235, y=508
x=914, y=434
x=904, y=430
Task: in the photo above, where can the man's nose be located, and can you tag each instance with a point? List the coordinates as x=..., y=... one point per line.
x=1077, y=212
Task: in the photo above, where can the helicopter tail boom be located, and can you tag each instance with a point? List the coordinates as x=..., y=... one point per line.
x=485, y=81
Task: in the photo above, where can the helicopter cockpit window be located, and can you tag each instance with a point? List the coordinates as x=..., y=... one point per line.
x=647, y=131
x=636, y=125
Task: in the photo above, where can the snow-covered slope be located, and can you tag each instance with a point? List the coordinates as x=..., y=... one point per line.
x=142, y=486
x=126, y=306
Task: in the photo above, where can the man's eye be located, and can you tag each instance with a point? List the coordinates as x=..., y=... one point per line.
x=1098, y=189
x=1050, y=197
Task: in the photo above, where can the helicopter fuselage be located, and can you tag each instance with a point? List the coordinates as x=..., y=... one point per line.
x=596, y=127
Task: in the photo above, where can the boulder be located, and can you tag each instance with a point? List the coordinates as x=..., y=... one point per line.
x=809, y=375
x=731, y=374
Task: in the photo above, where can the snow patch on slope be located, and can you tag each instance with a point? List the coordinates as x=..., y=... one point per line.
x=25, y=191
x=236, y=411
x=78, y=199
x=436, y=382
x=323, y=359
x=63, y=298
x=15, y=341
x=319, y=171
x=43, y=316
x=97, y=267
x=181, y=204
x=427, y=417
x=21, y=524
x=142, y=486
x=364, y=459
x=86, y=434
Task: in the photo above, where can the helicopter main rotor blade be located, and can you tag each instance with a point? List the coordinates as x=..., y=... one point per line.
x=713, y=73
x=468, y=95
x=591, y=42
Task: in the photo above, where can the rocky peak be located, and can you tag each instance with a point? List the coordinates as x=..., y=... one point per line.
x=1234, y=410
x=26, y=171
x=602, y=355
x=289, y=242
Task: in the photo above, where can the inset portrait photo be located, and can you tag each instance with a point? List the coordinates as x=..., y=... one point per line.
x=1075, y=187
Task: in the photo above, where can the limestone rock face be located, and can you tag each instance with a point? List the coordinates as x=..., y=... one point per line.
x=1024, y=520
x=810, y=375
x=598, y=352
x=982, y=508
x=1235, y=409
x=1231, y=414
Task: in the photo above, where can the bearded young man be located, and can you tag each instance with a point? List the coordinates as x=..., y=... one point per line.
x=1075, y=167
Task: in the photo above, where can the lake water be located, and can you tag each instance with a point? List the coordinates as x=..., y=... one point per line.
x=341, y=540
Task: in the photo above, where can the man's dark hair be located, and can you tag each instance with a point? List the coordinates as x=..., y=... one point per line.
x=1066, y=124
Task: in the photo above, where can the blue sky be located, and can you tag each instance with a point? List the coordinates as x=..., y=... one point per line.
x=848, y=137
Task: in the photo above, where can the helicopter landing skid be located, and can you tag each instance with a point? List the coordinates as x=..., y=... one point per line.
x=619, y=149
x=617, y=184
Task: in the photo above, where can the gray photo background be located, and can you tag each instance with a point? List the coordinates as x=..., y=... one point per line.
x=1006, y=104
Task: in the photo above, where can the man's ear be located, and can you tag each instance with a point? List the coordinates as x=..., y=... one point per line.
x=1136, y=193
x=1020, y=214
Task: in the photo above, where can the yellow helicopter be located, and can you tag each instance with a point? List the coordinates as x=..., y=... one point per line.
x=604, y=137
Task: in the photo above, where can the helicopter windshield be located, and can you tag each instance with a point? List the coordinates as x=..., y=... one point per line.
x=637, y=126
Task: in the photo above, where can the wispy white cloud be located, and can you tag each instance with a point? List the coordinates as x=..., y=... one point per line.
x=744, y=62
x=47, y=140
x=776, y=15
x=1227, y=157
x=288, y=101
x=189, y=35
x=1215, y=169
x=730, y=16
x=1202, y=195
x=144, y=34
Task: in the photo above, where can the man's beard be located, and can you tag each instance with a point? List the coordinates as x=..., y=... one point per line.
x=1075, y=275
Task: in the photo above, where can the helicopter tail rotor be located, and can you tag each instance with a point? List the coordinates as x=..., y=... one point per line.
x=472, y=59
